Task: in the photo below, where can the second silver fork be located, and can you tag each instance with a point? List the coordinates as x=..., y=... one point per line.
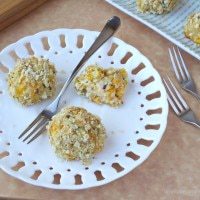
x=181, y=72
x=179, y=105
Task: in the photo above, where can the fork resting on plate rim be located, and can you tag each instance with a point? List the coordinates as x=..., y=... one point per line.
x=179, y=105
x=181, y=72
x=38, y=126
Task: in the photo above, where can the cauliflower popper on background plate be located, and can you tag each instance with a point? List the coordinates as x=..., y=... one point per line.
x=156, y=6
x=192, y=28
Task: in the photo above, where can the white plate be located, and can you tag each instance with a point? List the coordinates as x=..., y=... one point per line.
x=169, y=25
x=127, y=126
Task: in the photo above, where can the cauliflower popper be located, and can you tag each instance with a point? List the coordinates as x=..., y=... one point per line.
x=156, y=6
x=32, y=80
x=76, y=134
x=102, y=86
x=192, y=28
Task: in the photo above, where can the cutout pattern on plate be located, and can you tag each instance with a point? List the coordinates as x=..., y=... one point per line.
x=133, y=130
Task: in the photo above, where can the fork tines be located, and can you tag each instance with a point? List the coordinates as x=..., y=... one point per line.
x=175, y=99
x=36, y=128
x=178, y=65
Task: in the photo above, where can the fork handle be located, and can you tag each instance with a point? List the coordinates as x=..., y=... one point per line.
x=191, y=118
x=108, y=31
x=197, y=96
x=197, y=123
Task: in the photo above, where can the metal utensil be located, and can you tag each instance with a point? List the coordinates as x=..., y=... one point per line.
x=39, y=124
x=181, y=72
x=179, y=105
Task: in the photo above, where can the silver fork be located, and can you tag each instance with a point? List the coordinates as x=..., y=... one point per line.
x=39, y=124
x=181, y=72
x=179, y=105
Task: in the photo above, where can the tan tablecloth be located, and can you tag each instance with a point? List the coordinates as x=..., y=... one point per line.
x=172, y=171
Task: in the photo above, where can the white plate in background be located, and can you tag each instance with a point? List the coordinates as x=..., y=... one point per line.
x=168, y=25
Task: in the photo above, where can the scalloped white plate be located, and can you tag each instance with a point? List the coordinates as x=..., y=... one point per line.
x=134, y=130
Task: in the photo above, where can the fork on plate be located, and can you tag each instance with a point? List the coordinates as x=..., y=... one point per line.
x=181, y=72
x=38, y=126
x=179, y=105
